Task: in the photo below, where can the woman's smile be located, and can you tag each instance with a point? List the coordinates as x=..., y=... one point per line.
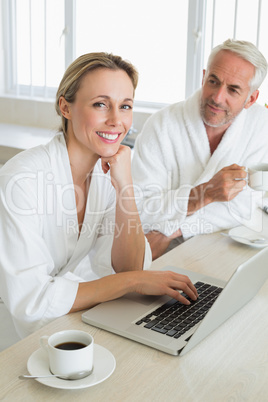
x=108, y=136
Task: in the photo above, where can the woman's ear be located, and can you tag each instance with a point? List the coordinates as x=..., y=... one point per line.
x=64, y=107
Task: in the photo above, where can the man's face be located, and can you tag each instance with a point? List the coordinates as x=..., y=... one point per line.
x=225, y=90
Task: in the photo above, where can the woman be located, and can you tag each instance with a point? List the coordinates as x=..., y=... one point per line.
x=69, y=218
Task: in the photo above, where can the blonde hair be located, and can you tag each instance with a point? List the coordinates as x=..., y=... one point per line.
x=74, y=74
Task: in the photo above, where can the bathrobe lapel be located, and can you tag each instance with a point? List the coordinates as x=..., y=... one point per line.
x=228, y=151
x=97, y=201
x=196, y=131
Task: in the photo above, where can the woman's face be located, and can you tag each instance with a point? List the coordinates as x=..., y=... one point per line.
x=101, y=114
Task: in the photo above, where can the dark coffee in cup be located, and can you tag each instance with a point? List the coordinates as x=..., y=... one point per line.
x=70, y=345
x=69, y=351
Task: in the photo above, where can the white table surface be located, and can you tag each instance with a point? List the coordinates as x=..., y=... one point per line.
x=229, y=365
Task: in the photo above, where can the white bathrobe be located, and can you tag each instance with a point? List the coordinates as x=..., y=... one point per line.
x=42, y=259
x=172, y=155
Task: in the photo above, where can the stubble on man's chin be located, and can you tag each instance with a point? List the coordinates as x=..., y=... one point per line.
x=227, y=120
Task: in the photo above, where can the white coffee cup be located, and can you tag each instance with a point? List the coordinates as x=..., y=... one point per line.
x=258, y=177
x=69, y=351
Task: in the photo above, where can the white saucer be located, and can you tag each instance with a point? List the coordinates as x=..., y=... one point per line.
x=249, y=234
x=104, y=365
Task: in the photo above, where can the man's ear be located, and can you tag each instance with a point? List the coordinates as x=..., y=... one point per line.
x=252, y=99
x=204, y=73
x=64, y=108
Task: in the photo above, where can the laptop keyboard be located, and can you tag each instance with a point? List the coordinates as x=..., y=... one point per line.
x=174, y=318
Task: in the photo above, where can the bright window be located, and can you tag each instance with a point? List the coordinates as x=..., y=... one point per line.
x=152, y=34
x=242, y=19
x=168, y=41
x=37, y=46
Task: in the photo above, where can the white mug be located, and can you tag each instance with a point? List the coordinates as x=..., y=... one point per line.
x=69, y=351
x=258, y=177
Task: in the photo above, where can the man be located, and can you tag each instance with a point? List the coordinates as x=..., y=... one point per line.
x=189, y=161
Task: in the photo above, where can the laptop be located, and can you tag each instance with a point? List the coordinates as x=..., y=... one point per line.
x=168, y=325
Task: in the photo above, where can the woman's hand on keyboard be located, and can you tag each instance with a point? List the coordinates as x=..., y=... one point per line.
x=144, y=282
x=165, y=283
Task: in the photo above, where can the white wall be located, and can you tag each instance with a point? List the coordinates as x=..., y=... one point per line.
x=28, y=112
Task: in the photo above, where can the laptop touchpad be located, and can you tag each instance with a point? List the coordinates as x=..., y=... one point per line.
x=142, y=299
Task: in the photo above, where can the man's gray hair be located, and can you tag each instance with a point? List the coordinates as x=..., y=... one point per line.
x=248, y=52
